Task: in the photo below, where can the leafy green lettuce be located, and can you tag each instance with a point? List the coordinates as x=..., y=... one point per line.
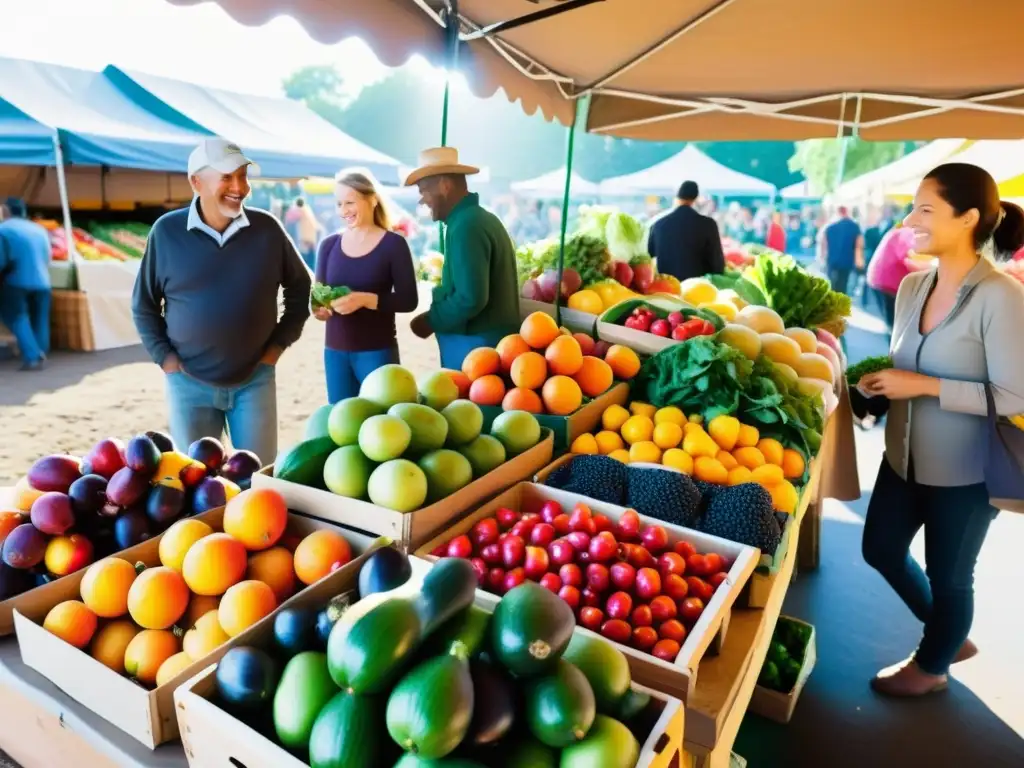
x=322, y=295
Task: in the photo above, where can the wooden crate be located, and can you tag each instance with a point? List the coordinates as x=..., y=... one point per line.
x=147, y=716
x=409, y=528
x=70, y=322
x=778, y=706
x=675, y=679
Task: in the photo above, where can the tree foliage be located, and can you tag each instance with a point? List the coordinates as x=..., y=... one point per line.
x=819, y=159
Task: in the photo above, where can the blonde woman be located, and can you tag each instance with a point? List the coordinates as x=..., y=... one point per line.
x=376, y=264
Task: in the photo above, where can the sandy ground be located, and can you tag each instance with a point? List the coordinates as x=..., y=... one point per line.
x=82, y=398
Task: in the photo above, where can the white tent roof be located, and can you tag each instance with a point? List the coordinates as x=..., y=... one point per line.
x=691, y=164
x=911, y=166
x=801, y=190
x=553, y=184
x=1004, y=159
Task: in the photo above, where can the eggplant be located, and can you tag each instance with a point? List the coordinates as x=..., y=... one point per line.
x=384, y=570
x=494, y=705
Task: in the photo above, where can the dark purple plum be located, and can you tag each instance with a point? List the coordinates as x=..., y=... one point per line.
x=53, y=514
x=142, y=455
x=24, y=547
x=240, y=467
x=88, y=494
x=165, y=504
x=162, y=439
x=127, y=488
x=210, y=494
x=14, y=581
x=54, y=473
x=105, y=458
x=208, y=451
x=131, y=527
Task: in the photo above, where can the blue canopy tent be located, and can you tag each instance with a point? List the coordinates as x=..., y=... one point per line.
x=24, y=141
x=285, y=137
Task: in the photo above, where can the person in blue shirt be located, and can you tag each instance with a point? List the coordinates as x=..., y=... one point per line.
x=842, y=250
x=25, y=284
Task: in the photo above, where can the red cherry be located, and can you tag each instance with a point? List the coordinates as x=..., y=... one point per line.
x=506, y=518
x=603, y=523
x=590, y=598
x=663, y=608
x=513, y=551
x=579, y=517
x=666, y=650
x=655, y=538
x=690, y=610
x=481, y=570
x=485, y=532
x=648, y=583
x=591, y=617
x=561, y=524
x=542, y=534
x=684, y=548
x=642, y=616
x=718, y=579
x=514, y=578
x=460, y=546
x=549, y=510
x=671, y=562
x=536, y=563
x=561, y=552
x=628, y=526
x=579, y=540
x=496, y=580
x=598, y=578
x=550, y=581
x=491, y=554
x=571, y=596
x=714, y=563
x=623, y=575
x=617, y=631
x=672, y=629
x=644, y=638
x=697, y=565
x=675, y=586
x=603, y=548
x=619, y=606
x=571, y=574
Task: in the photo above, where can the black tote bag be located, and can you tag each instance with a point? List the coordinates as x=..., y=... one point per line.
x=1004, y=461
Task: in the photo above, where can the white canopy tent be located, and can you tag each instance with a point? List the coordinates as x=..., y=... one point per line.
x=1004, y=159
x=691, y=164
x=552, y=184
x=875, y=184
x=801, y=190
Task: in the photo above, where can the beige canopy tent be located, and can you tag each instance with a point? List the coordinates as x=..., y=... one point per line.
x=873, y=185
x=712, y=69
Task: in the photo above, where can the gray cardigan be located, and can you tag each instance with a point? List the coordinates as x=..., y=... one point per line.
x=980, y=341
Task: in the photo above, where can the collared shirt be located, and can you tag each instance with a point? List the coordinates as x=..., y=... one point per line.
x=195, y=221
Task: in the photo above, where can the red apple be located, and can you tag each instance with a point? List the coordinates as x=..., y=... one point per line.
x=648, y=583
x=591, y=617
x=485, y=532
x=623, y=575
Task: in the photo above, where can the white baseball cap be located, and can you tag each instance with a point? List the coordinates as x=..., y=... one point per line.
x=221, y=155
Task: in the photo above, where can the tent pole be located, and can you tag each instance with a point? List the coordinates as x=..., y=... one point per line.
x=62, y=186
x=451, y=30
x=579, y=115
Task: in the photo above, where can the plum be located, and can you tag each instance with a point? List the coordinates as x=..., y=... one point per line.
x=105, y=458
x=54, y=473
x=53, y=514
x=210, y=494
x=24, y=547
x=131, y=527
x=208, y=451
x=14, y=581
x=142, y=455
x=88, y=494
x=127, y=487
x=165, y=504
x=162, y=439
x=240, y=467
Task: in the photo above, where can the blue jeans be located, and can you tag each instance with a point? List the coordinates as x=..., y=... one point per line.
x=26, y=313
x=955, y=522
x=455, y=347
x=248, y=411
x=346, y=370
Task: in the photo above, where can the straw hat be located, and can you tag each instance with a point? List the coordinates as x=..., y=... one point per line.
x=439, y=161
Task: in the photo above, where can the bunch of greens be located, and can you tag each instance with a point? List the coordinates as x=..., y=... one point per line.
x=779, y=410
x=625, y=238
x=322, y=295
x=800, y=298
x=857, y=371
x=732, y=280
x=594, y=220
x=786, y=655
x=586, y=254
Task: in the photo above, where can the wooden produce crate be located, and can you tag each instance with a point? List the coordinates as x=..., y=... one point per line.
x=645, y=343
x=779, y=706
x=572, y=319
x=214, y=738
x=146, y=715
x=408, y=528
x=568, y=428
x=679, y=677
x=70, y=322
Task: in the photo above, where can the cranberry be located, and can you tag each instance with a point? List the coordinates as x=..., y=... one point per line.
x=536, y=563
x=571, y=596
x=591, y=617
x=550, y=510
x=619, y=606
x=655, y=538
x=561, y=552
x=623, y=575
x=571, y=574
x=644, y=638
x=513, y=551
x=507, y=518
x=666, y=650
x=648, y=583
x=485, y=532
x=551, y=582
x=603, y=548
x=460, y=546
x=598, y=578
x=642, y=616
x=542, y=534
x=671, y=562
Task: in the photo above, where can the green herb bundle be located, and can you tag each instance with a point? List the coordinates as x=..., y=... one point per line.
x=321, y=295
x=801, y=299
x=857, y=371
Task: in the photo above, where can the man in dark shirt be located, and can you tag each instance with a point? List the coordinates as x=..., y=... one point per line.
x=206, y=305
x=842, y=250
x=685, y=243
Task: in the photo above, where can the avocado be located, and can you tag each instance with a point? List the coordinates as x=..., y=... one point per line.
x=366, y=656
x=560, y=708
x=608, y=745
x=304, y=690
x=469, y=628
x=448, y=589
x=346, y=733
x=530, y=629
x=605, y=668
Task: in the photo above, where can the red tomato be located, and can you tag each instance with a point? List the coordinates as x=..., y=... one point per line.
x=642, y=616
x=690, y=609
x=666, y=650
x=714, y=563
x=644, y=638
x=663, y=608
x=675, y=586
x=684, y=548
x=591, y=617
x=672, y=629
x=716, y=580
x=617, y=630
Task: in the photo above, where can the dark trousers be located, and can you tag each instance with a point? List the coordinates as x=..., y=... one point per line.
x=27, y=314
x=955, y=522
x=840, y=279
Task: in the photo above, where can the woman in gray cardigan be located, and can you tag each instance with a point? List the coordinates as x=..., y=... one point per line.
x=957, y=328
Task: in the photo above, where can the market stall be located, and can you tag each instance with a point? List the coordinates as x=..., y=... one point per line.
x=664, y=178
x=552, y=184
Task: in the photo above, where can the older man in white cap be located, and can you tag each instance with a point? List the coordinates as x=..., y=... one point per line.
x=206, y=305
x=477, y=302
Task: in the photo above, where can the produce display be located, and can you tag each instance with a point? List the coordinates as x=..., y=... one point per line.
x=679, y=324
x=102, y=242
x=624, y=579
x=401, y=444
x=544, y=369
x=785, y=655
x=150, y=623
x=128, y=238
x=425, y=678
x=68, y=511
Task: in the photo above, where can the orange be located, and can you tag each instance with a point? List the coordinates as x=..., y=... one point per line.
x=772, y=450
x=482, y=361
x=621, y=456
x=586, y=342
x=487, y=390
x=562, y=395
x=728, y=460
x=213, y=564
x=173, y=667
x=586, y=444
x=529, y=370
x=614, y=417
x=24, y=495
x=257, y=518
x=608, y=441
x=461, y=381
x=564, y=356
x=679, y=459
x=509, y=348
x=276, y=569
x=109, y=644
x=637, y=429
x=748, y=436
x=147, y=652
x=243, y=605
x=320, y=553
x=739, y=475
x=158, y=598
x=767, y=475
x=645, y=451
x=105, y=587
x=519, y=399
x=178, y=538
x=751, y=458
x=624, y=361
x=793, y=464
x=594, y=376
x=199, y=606
x=667, y=435
x=784, y=497
x=9, y=520
x=205, y=636
x=539, y=329
x=72, y=622
x=710, y=470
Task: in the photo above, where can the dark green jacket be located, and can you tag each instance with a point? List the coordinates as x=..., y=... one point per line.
x=479, y=291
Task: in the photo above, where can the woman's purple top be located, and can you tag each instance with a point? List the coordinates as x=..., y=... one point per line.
x=387, y=271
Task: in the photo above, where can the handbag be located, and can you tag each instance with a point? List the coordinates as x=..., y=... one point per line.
x=1004, y=460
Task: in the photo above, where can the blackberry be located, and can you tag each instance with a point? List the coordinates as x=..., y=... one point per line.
x=668, y=496
x=743, y=513
x=598, y=477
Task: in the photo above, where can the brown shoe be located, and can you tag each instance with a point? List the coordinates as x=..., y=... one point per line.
x=967, y=651
x=907, y=680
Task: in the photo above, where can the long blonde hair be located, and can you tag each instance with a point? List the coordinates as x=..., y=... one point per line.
x=363, y=183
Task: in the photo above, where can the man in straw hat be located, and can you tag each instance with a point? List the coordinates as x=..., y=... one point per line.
x=477, y=302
